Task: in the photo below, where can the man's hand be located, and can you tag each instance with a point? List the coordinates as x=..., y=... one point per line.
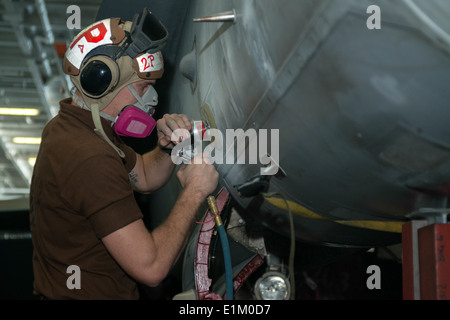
x=201, y=179
x=166, y=127
x=148, y=257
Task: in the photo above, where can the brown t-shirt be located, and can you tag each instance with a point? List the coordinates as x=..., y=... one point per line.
x=80, y=192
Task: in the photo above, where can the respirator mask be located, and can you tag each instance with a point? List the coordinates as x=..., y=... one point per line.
x=136, y=120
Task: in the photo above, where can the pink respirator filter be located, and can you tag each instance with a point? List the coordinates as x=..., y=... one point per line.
x=134, y=122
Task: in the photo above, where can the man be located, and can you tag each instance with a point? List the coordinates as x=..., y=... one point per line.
x=88, y=235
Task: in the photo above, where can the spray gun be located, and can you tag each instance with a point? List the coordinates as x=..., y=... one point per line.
x=198, y=134
x=187, y=151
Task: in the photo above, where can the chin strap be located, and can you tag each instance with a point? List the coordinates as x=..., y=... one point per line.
x=80, y=102
x=99, y=128
x=96, y=113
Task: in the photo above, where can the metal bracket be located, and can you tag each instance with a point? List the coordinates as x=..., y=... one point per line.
x=432, y=215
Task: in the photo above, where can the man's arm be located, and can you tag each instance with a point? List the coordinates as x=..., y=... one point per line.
x=148, y=257
x=154, y=169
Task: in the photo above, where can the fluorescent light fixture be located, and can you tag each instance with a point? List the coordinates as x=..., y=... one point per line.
x=26, y=140
x=19, y=112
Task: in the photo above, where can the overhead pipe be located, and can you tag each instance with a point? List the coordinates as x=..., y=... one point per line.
x=50, y=40
x=43, y=13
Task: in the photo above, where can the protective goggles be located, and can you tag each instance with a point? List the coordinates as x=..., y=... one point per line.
x=147, y=34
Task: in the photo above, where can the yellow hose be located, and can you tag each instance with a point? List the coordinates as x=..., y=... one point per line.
x=388, y=226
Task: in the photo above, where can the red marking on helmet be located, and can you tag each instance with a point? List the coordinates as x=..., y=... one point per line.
x=151, y=58
x=102, y=30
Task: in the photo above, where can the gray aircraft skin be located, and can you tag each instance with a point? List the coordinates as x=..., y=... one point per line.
x=362, y=114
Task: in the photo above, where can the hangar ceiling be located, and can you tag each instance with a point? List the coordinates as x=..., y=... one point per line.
x=33, y=37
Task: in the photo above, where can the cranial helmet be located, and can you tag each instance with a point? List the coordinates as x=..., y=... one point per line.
x=110, y=55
